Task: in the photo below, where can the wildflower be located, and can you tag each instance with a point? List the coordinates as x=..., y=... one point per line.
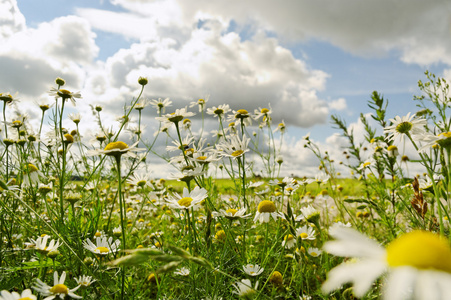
x=41, y=244
x=402, y=126
x=424, y=273
x=59, y=289
x=310, y=214
x=26, y=295
x=315, y=252
x=84, y=280
x=182, y=271
x=188, y=173
x=244, y=289
x=31, y=175
x=265, y=210
x=392, y=151
x=160, y=104
x=176, y=116
x=288, y=241
x=117, y=149
x=103, y=245
x=276, y=278
x=219, y=111
x=200, y=102
x=233, y=147
x=233, y=214
x=188, y=200
x=281, y=127
x=76, y=117
x=143, y=81
x=252, y=270
x=141, y=180
x=65, y=94
x=8, y=99
x=262, y=112
x=306, y=232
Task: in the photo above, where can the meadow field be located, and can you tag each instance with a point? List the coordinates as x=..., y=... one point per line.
x=84, y=218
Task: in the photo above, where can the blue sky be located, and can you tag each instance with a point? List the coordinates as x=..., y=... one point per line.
x=312, y=59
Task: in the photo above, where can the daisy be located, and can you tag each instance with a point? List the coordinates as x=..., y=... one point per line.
x=103, y=245
x=418, y=264
x=306, y=232
x=315, y=252
x=234, y=146
x=176, y=116
x=31, y=175
x=41, y=244
x=117, y=149
x=219, y=111
x=244, y=288
x=65, y=94
x=200, y=102
x=75, y=117
x=141, y=180
x=310, y=214
x=59, y=289
x=252, y=270
x=233, y=214
x=188, y=173
x=182, y=271
x=281, y=127
x=84, y=280
x=8, y=99
x=26, y=294
x=288, y=241
x=401, y=126
x=160, y=104
x=262, y=112
x=265, y=210
x=188, y=200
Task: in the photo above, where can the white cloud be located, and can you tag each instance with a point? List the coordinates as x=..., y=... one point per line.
x=339, y=104
x=11, y=19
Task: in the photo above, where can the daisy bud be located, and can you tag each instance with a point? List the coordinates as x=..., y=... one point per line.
x=143, y=81
x=60, y=81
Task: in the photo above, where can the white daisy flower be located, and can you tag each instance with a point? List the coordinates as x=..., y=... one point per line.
x=401, y=126
x=232, y=213
x=265, y=210
x=182, y=271
x=65, y=94
x=233, y=147
x=117, y=148
x=176, y=116
x=219, y=111
x=103, y=245
x=288, y=241
x=418, y=264
x=26, y=294
x=188, y=200
x=201, y=102
x=59, y=289
x=160, y=104
x=41, y=244
x=315, y=252
x=84, y=280
x=253, y=270
x=244, y=288
x=306, y=232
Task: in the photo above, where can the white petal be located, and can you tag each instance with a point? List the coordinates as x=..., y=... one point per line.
x=400, y=282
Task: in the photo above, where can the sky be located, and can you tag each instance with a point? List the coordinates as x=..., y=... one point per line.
x=307, y=59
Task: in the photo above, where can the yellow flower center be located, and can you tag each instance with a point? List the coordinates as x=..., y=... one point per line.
x=264, y=111
x=392, y=148
x=185, y=201
x=69, y=138
x=25, y=298
x=266, y=206
x=116, y=145
x=201, y=157
x=242, y=111
x=289, y=237
x=276, y=278
x=231, y=211
x=420, y=249
x=59, y=289
x=303, y=235
x=98, y=234
x=404, y=127
x=102, y=249
x=201, y=101
x=237, y=153
x=32, y=168
x=64, y=93
x=445, y=134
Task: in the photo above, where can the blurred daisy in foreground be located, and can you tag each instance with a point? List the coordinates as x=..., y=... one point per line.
x=26, y=294
x=244, y=288
x=418, y=264
x=59, y=289
x=182, y=271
